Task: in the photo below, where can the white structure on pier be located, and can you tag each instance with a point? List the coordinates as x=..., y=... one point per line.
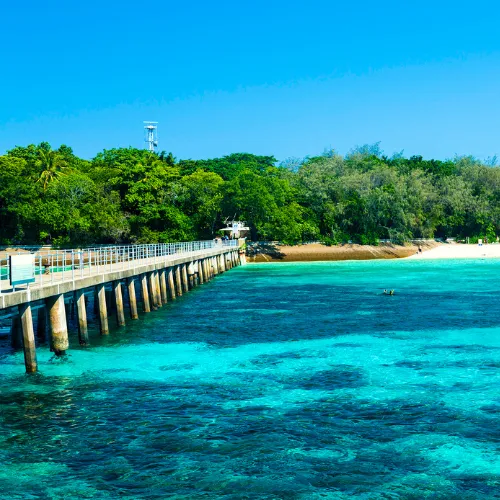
x=235, y=229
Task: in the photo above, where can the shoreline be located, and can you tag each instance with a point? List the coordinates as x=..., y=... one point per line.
x=316, y=252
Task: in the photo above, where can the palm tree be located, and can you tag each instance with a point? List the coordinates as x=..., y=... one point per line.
x=52, y=165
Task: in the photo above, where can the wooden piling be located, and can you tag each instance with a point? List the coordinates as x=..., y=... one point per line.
x=190, y=273
x=185, y=282
x=163, y=285
x=145, y=293
x=178, y=280
x=59, y=342
x=103, y=309
x=120, y=312
x=152, y=291
x=159, y=300
x=28, y=337
x=203, y=264
x=171, y=284
x=132, y=301
x=242, y=259
x=201, y=274
x=81, y=311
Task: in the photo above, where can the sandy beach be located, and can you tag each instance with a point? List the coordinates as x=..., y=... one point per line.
x=317, y=252
x=460, y=251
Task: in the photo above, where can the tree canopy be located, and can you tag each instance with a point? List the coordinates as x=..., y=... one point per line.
x=130, y=195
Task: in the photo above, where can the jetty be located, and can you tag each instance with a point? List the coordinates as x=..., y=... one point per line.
x=53, y=283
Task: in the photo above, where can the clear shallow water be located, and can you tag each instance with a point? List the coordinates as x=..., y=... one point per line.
x=273, y=381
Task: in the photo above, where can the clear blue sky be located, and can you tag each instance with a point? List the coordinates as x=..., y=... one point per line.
x=266, y=77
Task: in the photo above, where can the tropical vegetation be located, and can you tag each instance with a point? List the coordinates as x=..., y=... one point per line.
x=131, y=195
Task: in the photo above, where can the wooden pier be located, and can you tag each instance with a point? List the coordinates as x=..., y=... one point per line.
x=157, y=279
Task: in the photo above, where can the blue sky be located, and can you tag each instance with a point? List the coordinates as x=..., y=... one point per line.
x=266, y=77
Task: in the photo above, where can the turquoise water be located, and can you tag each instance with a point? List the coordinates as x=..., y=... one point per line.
x=297, y=381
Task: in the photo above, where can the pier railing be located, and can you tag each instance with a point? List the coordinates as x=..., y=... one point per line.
x=52, y=266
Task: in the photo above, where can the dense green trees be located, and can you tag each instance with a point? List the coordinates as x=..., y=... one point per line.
x=131, y=195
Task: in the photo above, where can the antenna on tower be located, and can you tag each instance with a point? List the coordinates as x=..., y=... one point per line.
x=151, y=135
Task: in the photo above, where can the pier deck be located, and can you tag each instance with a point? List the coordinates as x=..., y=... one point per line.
x=157, y=273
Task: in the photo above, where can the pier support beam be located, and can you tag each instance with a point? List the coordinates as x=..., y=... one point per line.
x=145, y=293
x=132, y=300
x=59, y=342
x=103, y=309
x=178, y=280
x=203, y=264
x=196, y=275
x=206, y=276
x=81, y=311
x=185, y=283
x=163, y=286
x=171, y=284
x=152, y=291
x=120, y=311
x=16, y=335
x=159, y=301
x=191, y=275
x=201, y=274
x=28, y=337
x=242, y=258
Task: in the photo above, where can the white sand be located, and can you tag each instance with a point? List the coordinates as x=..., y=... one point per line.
x=460, y=251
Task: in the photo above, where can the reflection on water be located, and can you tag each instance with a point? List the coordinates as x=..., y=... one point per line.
x=272, y=381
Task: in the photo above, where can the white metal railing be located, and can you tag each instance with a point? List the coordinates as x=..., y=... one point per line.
x=54, y=266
